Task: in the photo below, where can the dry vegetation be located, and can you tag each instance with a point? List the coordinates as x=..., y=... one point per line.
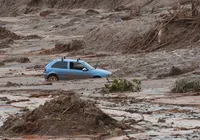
x=186, y=85
x=123, y=85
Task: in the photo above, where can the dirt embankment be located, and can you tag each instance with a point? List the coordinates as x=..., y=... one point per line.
x=174, y=32
x=4, y=33
x=7, y=37
x=65, y=115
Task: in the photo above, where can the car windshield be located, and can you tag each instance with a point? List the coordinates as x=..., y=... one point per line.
x=88, y=66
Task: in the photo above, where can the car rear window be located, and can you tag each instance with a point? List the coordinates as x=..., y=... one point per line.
x=61, y=65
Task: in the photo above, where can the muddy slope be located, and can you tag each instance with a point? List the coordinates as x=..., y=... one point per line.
x=138, y=37
x=111, y=4
x=65, y=115
x=17, y=7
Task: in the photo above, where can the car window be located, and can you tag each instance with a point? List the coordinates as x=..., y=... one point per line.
x=88, y=66
x=76, y=66
x=61, y=65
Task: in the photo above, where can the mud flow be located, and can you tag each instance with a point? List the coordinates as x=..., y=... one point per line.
x=150, y=46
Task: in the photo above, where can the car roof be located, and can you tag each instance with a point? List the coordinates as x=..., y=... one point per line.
x=69, y=60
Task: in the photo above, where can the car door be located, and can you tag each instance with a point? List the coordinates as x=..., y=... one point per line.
x=78, y=71
x=61, y=69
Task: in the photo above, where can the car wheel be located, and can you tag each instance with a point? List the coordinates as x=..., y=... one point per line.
x=52, y=78
x=97, y=77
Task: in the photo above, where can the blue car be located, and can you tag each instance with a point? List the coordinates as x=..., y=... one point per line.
x=67, y=69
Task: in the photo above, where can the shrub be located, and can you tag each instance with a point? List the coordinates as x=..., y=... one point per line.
x=123, y=85
x=186, y=85
x=175, y=71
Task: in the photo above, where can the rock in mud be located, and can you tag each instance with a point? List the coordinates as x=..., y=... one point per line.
x=91, y=12
x=10, y=84
x=65, y=115
x=32, y=37
x=23, y=60
x=46, y=13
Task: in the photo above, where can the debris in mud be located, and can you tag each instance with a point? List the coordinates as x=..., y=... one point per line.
x=10, y=84
x=5, y=43
x=161, y=120
x=44, y=83
x=121, y=8
x=2, y=46
x=4, y=99
x=123, y=85
x=46, y=13
x=183, y=128
x=25, y=109
x=65, y=115
x=7, y=40
x=52, y=93
x=17, y=101
x=36, y=67
x=174, y=71
x=45, y=94
x=4, y=33
x=31, y=37
x=186, y=85
x=91, y=12
x=74, y=45
x=2, y=63
x=16, y=59
x=23, y=60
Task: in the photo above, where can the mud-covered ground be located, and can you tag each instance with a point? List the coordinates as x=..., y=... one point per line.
x=161, y=114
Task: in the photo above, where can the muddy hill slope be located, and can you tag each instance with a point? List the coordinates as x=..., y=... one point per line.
x=123, y=38
x=119, y=26
x=65, y=115
x=16, y=7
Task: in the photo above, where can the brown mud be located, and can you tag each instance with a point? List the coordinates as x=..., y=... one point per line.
x=65, y=115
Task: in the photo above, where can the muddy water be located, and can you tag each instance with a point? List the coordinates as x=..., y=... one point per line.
x=162, y=120
x=18, y=103
x=6, y=111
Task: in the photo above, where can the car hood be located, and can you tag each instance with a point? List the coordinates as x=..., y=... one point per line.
x=103, y=71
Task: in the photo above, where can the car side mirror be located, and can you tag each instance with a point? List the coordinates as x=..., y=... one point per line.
x=84, y=69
